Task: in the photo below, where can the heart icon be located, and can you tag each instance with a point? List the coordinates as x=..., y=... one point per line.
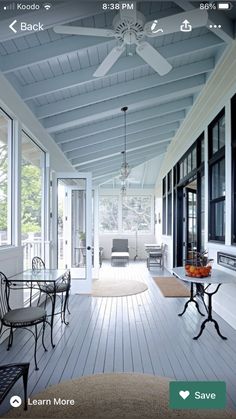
x=184, y=394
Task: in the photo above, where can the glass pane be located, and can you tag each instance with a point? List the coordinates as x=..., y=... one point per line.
x=72, y=224
x=222, y=132
x=5, y=179
x=192, y=221
x=194, y=158
x=218, y=180
x=32, y=175
x=136, y=213
x=189, y=163
x=185, y=167
x=169, y=218
x=202, y=151
x=181, y=169
x=164, y=216
x=219, y=219
x=202, y=213
x=108, y=213
x=215, y=136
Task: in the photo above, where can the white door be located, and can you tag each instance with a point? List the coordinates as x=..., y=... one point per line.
x=72, y=227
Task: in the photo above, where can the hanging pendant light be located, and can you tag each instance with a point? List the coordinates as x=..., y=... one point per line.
x=124, y=170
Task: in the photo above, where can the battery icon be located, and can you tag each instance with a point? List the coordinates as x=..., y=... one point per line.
x=224, y=6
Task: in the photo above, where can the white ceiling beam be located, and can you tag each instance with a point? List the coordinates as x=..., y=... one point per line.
x=136, y=154
x=66, y=45
x=122, y=89
x=135, y=101
x=118, y=133
x=65, y=12
x=152, y=142
x=163, y=110
x=137, y=159
x=112, y=162
x=118, y=143
x=76, y=78
x=226, y=33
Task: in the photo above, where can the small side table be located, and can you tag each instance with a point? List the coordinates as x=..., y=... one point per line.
x=217, y=278
x=9, y=375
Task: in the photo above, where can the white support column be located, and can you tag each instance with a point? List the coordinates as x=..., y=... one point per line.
x=96, y=234
x=228, y=173
x=46, y=192
x=16, y=184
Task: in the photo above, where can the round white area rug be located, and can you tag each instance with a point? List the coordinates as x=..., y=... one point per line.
x=117, y=288
x=111, y=396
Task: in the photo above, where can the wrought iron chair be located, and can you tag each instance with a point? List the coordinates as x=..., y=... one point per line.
x=24, y=317
x=60, y=288
x=9, y=375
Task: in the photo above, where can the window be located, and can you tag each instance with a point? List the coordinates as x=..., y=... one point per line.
x=136, y=213
x=233, y=115
x=32, y=207
x=126, y=214
x=169, y=203
x=5, y=179
x=188, y=163
x=108, y=213
x=164, y=206
x=216, y=134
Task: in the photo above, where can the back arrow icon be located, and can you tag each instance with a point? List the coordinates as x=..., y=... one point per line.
x=11, y=26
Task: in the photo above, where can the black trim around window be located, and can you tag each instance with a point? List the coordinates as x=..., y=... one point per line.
x=216, y=153
x=164, y=205
x=233, y=119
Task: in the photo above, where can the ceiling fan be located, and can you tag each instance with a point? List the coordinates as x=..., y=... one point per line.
x=129, y=28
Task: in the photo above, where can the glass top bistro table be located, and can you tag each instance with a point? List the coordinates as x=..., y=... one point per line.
x=31, y=278
x=217, y=278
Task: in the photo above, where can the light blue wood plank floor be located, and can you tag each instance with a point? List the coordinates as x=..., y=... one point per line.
x=140, y=333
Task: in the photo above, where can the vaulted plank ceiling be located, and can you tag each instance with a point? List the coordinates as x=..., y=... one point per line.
x=53, y=74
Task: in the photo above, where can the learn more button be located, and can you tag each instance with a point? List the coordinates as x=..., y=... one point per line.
x=197, y=394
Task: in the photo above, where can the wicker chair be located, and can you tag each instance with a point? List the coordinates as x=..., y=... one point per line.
x=62, y=287
x=24, y=317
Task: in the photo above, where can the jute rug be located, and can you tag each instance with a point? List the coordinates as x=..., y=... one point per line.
x=117, y=288
x=171, y=287
x=112, y=396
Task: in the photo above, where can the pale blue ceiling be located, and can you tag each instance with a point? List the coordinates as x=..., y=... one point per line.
x=54, y=76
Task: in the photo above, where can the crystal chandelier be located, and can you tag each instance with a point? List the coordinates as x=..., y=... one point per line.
x=124, y=170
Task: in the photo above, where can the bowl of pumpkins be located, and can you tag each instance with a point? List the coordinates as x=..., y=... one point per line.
x=197, y=271
x=199, y=266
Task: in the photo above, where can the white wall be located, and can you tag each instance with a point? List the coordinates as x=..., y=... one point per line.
x=220, y=87
x=105, y=240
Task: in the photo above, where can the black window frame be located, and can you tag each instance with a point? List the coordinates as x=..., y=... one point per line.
x=213, y=160
x=233, y=136
x=164, y=206
x=169, y=203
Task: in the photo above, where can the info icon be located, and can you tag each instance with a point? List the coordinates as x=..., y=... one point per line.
x=15, y=401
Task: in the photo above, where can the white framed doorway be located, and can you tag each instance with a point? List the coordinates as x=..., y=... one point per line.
x=72, y=210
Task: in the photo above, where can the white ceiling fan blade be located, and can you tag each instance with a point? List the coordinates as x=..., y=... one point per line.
x=153, y=58
x=79, y=30
x=171, y=24
x=109, y=61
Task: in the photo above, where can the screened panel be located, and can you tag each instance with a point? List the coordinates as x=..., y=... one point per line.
x=108, y=213
x=5, y=179
x=136, y=213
